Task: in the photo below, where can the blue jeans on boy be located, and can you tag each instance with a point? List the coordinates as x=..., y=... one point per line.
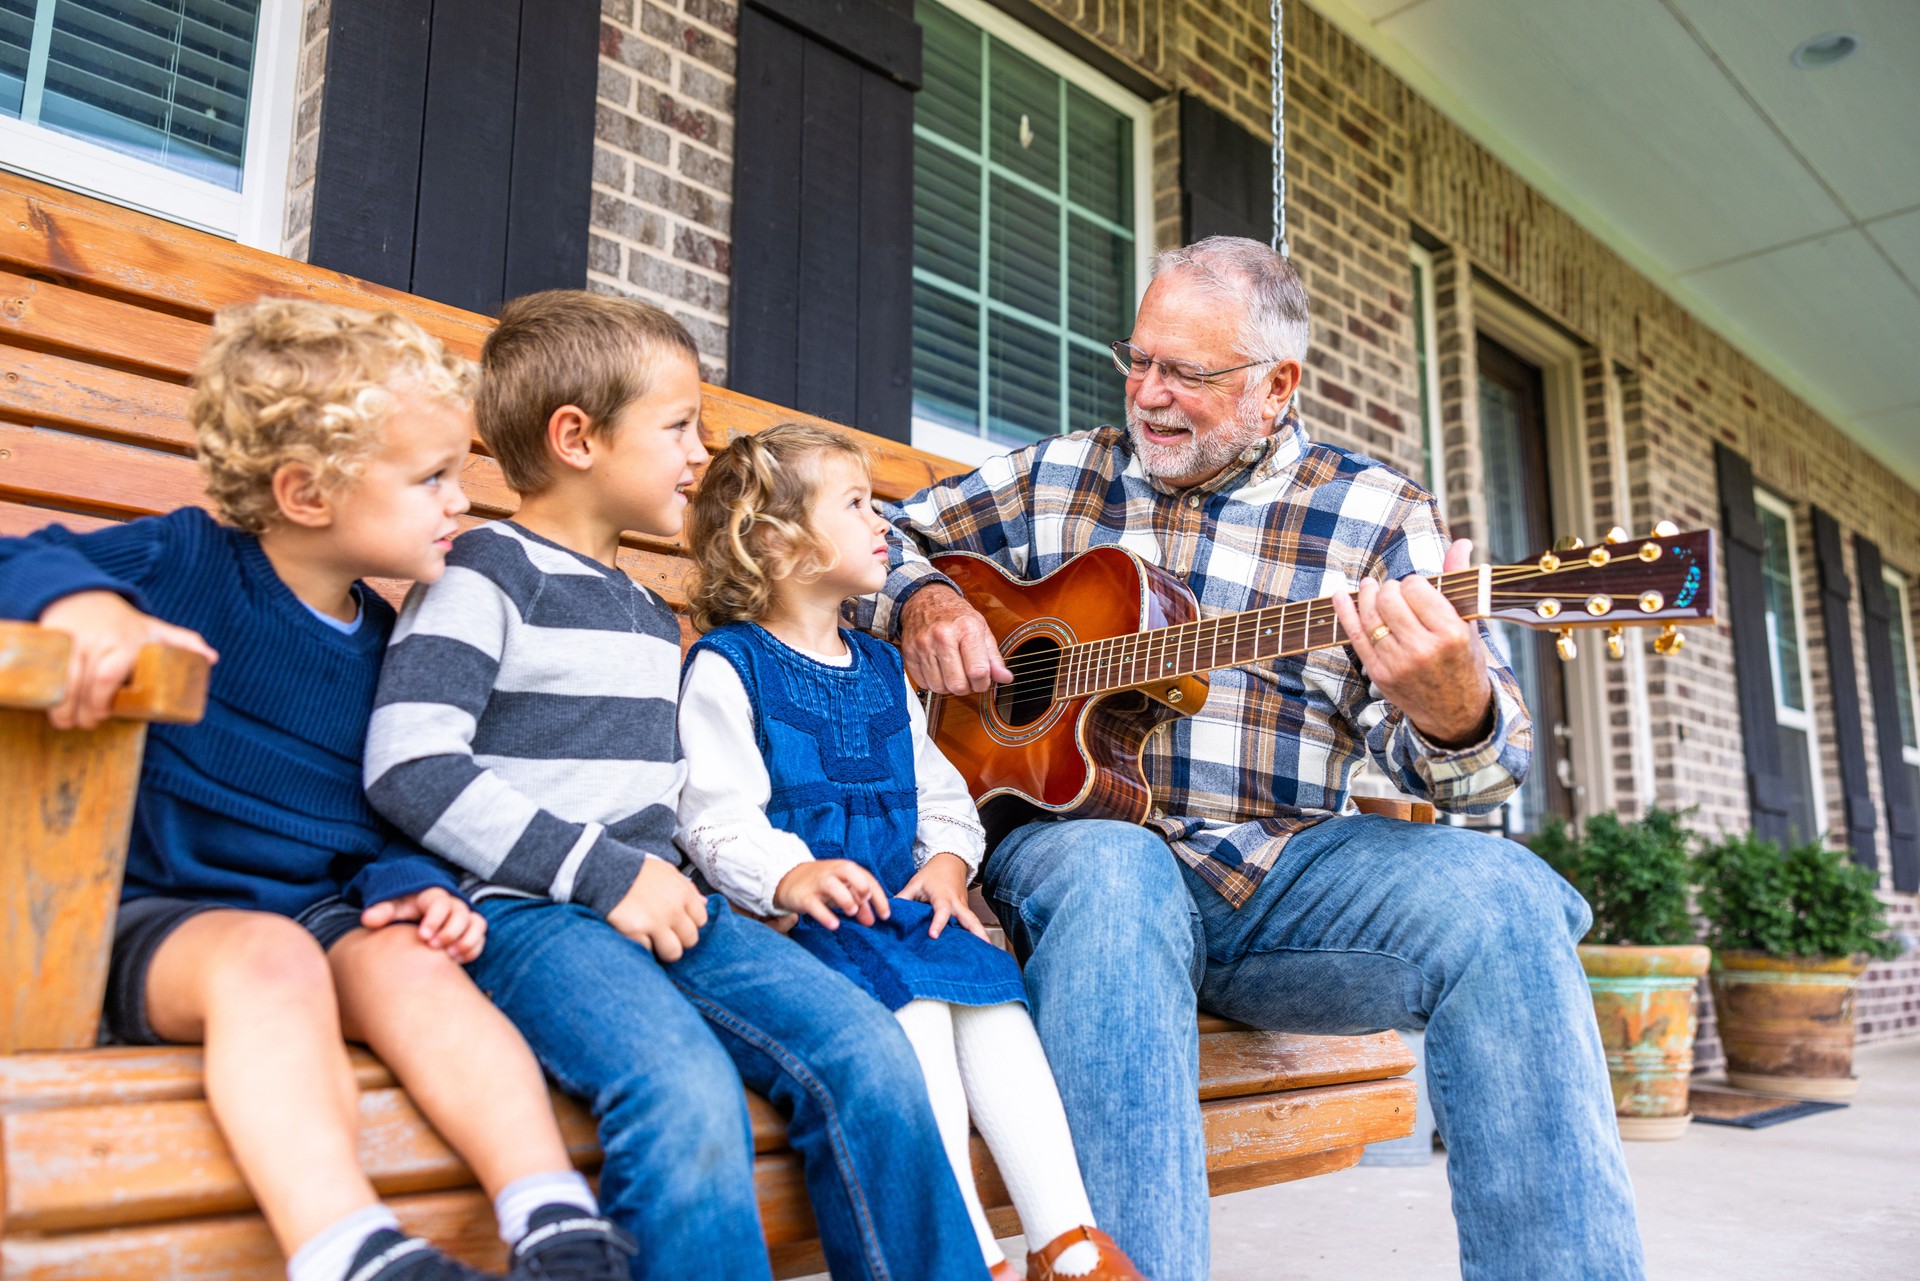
x=1363, y=924
x=659, y=1053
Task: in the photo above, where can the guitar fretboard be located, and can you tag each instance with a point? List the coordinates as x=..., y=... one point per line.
x=1231, y=640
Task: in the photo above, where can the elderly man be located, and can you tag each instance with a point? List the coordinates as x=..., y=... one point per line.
x=1251, y=889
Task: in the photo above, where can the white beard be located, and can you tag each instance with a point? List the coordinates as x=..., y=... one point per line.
x=1199, y=455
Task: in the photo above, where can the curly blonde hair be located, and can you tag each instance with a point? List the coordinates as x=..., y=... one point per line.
x=748, y=524
x=288, y=381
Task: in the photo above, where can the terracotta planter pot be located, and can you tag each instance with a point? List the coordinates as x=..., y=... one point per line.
x=1644, y=1000
x=1786, y=1022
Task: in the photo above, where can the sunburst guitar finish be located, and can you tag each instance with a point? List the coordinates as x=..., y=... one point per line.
x=1024, y=750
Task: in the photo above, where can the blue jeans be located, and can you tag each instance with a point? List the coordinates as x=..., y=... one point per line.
x=659, y=1053
x=1363, y=924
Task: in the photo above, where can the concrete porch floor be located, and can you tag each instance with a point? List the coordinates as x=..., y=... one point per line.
x=1836, y=1195
x=1832, y=1196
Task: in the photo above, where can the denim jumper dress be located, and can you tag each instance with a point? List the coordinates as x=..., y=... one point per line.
x=838, y=746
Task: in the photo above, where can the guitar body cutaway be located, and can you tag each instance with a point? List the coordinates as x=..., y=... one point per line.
x=1026, y=753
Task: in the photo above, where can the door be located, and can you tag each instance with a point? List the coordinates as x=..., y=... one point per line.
x=1513, y=458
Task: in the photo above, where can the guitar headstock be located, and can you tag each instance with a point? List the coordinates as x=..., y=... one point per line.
x=1664, y=579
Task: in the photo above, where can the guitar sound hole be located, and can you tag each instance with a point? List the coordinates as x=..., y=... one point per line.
x=1034, y=663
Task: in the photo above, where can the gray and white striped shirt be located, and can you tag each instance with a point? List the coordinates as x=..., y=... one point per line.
x=524, y=728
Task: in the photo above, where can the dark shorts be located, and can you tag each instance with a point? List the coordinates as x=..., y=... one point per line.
x=145, y=923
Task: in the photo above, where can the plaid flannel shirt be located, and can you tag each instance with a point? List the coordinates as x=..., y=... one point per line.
x=1273, y=750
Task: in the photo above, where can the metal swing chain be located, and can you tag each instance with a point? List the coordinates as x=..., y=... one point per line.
x=1279, y=138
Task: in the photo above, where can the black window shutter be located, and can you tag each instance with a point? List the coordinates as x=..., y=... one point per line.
x=822, y=298
x=1226, y=176
x=1767, y=790
x=1850, y=740
x=1903, y=808
x=456, y=146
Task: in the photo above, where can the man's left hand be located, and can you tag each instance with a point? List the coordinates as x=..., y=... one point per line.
x=1427, y=661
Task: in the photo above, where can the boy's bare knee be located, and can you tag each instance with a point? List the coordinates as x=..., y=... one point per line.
x=265, y=958
x=396, y=955
x=395, y=959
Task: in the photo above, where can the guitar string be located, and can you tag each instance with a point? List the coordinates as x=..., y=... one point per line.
x=1039, y=666
x=1188, y=635
x=1062, y=667
x=1164, y=635
x=1080, y=655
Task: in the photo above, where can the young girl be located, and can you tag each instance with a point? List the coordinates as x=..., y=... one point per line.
x=813, y=790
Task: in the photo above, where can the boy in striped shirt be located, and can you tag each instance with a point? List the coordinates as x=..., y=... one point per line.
x=525, y=731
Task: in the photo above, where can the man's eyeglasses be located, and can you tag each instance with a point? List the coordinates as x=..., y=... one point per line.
x=1134, y=363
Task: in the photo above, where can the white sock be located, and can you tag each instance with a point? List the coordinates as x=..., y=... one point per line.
x=324, y=1256
x=525, y=1195
x=1016, y=1104
x=929, y=1029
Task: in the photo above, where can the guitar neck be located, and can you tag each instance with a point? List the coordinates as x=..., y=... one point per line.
x=1233, y=640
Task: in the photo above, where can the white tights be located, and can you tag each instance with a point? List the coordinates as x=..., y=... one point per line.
x=988, y=1059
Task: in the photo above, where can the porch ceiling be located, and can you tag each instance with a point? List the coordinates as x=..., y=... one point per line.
x=1781, y=206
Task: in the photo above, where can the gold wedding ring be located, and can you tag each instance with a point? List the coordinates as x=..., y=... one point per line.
x=1379, y=633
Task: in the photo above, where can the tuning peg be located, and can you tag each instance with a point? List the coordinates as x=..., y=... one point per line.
x=1665, y=529
x=1616, y=642
x=1669, y=641
x=1617, y=534
x=1568, y=544
x=1563, y=645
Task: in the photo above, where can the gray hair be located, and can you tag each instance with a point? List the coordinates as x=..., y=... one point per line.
x=1273, y=318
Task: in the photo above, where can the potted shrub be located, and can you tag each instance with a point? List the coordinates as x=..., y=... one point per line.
x=1642, y=958
x=1791, y=934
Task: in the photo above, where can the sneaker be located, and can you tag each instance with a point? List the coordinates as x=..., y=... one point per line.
x=565, y=1243
x=389, y=1256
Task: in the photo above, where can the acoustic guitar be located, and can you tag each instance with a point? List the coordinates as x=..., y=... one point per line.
x=1108, y=647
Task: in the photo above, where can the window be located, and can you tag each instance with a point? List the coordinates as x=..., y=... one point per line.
x=1030, y=207
x=1513, y=459
x=1433, y=460
x=182, y=108
x=1787, y=657
x=1900, y=641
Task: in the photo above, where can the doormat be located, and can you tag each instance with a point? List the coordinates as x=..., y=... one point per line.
x=1718, y=1106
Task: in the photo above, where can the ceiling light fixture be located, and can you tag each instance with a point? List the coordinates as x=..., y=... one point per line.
x=1824, y=51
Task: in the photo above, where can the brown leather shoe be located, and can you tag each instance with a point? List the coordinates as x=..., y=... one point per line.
x=1113, y=1265
x=1003, y=1271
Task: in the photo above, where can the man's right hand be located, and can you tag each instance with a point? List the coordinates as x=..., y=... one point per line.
x=108, y=635
x=662, y=912
x=947, y=645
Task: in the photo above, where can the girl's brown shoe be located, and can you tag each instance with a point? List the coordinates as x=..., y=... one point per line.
x=1113, y=1265
x=1003, y=1271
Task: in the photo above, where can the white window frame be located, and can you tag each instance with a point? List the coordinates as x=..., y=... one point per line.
x=1897, y=588
x=1428, y=341
x=255, y=215
x=975, y=449
x=1791, y=717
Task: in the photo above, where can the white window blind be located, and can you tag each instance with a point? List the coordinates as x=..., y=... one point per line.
x=1025, y=240
x=164, y=81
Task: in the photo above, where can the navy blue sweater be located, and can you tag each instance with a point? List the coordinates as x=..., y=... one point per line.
x=259, y=805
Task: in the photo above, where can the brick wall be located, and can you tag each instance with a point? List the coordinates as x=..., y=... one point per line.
x=306, y=128
x=663, y=162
